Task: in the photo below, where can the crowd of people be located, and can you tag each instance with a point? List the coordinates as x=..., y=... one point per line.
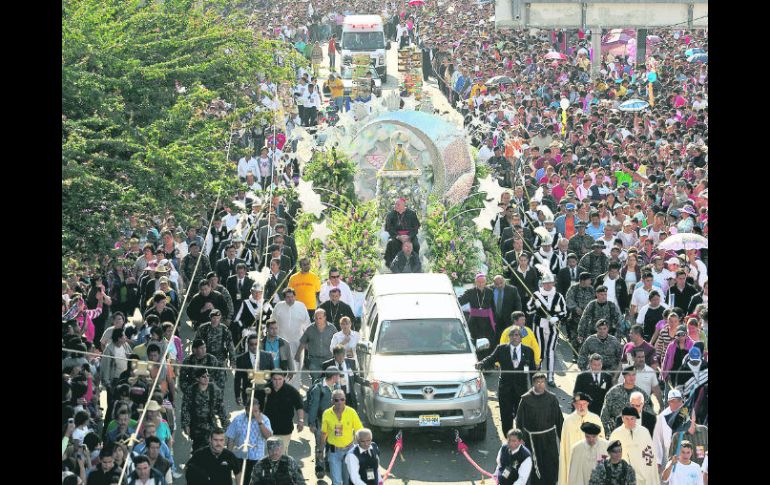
x=589, y=204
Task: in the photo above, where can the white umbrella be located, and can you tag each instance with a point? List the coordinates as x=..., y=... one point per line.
x=634, y=105
x=684, y=240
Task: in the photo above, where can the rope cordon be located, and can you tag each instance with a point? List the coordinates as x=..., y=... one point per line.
x=463, y=448
x=396, y=451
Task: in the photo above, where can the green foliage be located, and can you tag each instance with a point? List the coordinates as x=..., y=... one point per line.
x=354, y=247
x=451, y=236
x=306, y=246
x=332, y=170
x=132, y=143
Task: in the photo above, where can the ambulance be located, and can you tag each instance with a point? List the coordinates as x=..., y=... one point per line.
x=364, y=34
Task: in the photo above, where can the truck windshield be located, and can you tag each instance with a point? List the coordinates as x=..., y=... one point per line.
x=433, y=336
x=363, y=41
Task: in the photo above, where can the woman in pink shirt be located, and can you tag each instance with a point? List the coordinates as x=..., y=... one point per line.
x=84, y=316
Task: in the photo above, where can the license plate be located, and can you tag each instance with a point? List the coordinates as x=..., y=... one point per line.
x=430, y=420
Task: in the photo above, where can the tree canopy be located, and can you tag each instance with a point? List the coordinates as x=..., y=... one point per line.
x=150, y=91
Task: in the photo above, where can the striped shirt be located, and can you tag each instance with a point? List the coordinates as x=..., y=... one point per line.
x=237, y=432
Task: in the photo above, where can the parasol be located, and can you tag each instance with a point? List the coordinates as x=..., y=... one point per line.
x=634, y=105
x=684, y=240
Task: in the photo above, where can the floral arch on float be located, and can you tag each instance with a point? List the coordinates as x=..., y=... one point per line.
x=411, y=154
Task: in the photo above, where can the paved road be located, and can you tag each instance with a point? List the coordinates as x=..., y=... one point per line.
x=429, y=456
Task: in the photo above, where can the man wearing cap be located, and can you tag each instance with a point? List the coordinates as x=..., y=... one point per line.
x=547, y=307
x=203, y=402
x=595, y=262
x=513, y=356
x=219, y=340
x=613, y=470
x=401, y=224
x=573, y=431
x=580, y=243
x=566, y=223
x=584, y=455
x=482, y=319
x=277, y=468
x=604, y=344
x=160, y=308
x=619, y=396
x=577, y=298
x=599, y=309
x=637, y=447
x=540, y=418
x=252, y=312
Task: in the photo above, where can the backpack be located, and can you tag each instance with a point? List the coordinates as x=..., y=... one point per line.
x=306, y=403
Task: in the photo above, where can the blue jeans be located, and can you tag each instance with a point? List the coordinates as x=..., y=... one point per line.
x=337, y=467
x=339, y=101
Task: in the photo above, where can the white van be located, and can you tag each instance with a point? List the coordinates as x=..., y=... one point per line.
x=417, y=358
x=364, y=34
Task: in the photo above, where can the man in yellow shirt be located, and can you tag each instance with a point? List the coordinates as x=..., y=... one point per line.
x=338, y=426
x=337, y=90
x=527, y=336
x=306, y=285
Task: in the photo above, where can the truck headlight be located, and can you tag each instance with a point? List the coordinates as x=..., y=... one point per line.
x=470, y=387
x=384, y=389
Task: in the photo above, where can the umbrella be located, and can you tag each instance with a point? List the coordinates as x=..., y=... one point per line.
x=413, y=3
x=692, y=52
x=703, y=58
x=684, y=240
x=557, y=56
x=653, y=39
x=634, y=105
x=499, y=80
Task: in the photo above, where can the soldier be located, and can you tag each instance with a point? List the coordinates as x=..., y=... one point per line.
x=218, y=338
x=595, y=262
x=604, y=344
x=618, y=397
x=598, y=309
x=199, y=357
x=201, y=405
x=613, y=470
x=580, y=243
x=276, y=468
x=577, y=298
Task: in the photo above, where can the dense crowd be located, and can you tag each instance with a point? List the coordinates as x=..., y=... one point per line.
x=589, y=204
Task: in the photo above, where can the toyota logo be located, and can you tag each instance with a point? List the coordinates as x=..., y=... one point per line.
x=428, y=391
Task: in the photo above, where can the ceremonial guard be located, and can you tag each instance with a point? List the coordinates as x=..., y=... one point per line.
x=547, y=307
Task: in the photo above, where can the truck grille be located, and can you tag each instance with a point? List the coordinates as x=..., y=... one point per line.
x=417, y=391
x=416, y=414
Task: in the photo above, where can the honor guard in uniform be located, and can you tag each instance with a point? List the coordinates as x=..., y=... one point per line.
x=547, y=307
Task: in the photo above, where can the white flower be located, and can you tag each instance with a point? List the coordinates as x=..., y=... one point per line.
x=321, y=231
x=310, y=200
x=491, y=187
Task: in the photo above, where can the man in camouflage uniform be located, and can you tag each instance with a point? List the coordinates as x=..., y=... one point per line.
x=198, y=356
x=604, y=344
x=202, y=404
x=218, y=338
x=595, y=262
x=189, y=262
x=580, y=243
x=277, y=468
x=598, y=309
x=577, y=299
x=215, y=286
x=619, y=396
x=613, y=470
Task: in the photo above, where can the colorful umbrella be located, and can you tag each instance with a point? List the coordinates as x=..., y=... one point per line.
x=556, y=56
x=692, y=52
x=414, y=3
x=684, y=241
x=634, y=105
x=702, y=58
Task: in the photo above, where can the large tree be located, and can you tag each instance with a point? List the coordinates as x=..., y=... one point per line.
x=149, y=93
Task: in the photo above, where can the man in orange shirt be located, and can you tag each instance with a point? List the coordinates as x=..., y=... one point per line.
x=307, y=286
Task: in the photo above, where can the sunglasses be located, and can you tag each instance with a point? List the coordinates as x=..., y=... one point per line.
x=334, y=277
x=340, y=400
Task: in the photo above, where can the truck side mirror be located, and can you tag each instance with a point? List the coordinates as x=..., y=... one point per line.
x=481, y=344
x=387, y=45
